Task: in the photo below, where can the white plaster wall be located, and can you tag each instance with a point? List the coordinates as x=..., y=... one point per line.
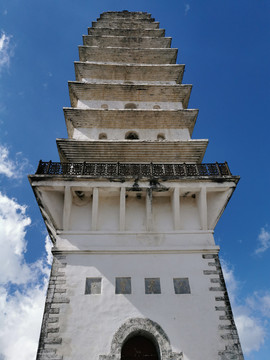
x=136, y=241
x=108, y=211
x=119, y=134
x=96, y=104
x=54, y=201
x=135, y=212
x=215, y=203
x=189, y=213
x=81, y=217
x=162, y=212
x=90, y=321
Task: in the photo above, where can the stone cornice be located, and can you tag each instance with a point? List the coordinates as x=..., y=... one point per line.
x=128, y=55
x=128, y=93
x=124, y=24
x=129, y=119
x=127, y=72
x=126, y=41
x=129, y=32
x=131, y=151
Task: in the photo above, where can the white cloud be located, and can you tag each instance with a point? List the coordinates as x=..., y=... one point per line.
x=12, y=168
x=21, y=315
x=251, y=331
x=6, y=51
x=48, y=247
x=13, y=223
x=22, y=285
x=187, y=8
x=250, y=326
x=264, y=241
x=260, y=301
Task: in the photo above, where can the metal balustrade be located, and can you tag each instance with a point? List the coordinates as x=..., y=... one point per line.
x=122, y=170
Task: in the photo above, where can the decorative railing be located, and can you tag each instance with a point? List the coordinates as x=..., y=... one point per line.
x=121, y=170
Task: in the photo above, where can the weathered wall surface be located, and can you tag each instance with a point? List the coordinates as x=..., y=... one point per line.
x=87, y=323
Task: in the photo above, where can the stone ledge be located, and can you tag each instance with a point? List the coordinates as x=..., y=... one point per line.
x=190, y=151
x=127, y=55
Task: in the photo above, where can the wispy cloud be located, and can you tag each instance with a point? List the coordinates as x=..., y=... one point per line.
x=187, y=8
x=12, y=168
x=6, y=50
x=260, y=301
x=264, y=241
x=22, y=285
x=249, y=321
x=13, y=223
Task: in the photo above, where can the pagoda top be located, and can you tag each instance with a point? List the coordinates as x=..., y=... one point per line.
x=125, y=13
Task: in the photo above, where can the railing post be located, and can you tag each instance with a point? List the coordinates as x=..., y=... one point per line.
x=49, y=165
x=39, y=166
x=185, y=169
x=227, y=167
x=151, y=169
x=118, y=168
x=218, y=169
x=83, y=167
x=197, y=170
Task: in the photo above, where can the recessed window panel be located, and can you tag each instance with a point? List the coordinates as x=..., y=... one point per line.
x=152, y=286
x=181, y=286
x=92, y=286
x=123, y=285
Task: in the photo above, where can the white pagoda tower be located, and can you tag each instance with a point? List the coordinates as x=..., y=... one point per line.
x=131, y=210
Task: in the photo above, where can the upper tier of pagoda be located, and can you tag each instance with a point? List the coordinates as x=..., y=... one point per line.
x=128, y=103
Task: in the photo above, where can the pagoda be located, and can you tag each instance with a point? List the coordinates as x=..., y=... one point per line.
x=131, y=210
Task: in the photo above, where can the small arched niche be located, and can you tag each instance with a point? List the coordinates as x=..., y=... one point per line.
x=102, y=136
x=131, y=135
x=130, y=106
x=160, y=137
x=139, y=347
x=156, y=107
x=104, y=106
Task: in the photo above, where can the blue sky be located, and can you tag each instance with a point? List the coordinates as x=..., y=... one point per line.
x=225, y=46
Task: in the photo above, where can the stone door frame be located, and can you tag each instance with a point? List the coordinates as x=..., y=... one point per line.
x=144, y=327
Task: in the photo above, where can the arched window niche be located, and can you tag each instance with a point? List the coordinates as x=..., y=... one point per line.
x=144, y=328
x=161, y=137
x=130, y=106
x=102, y=136
x=131, y=135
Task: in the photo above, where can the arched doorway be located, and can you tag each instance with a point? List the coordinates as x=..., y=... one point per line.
x=139, y=348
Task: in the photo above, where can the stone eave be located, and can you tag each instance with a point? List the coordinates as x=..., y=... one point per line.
x=122, y=24
x=127, y=14
x=128, y=92
x=130, y=119
x=191, y=151
x=211, y=179
x=128, y=72
x=128, y=55
x=130, y=32
x=143, y=42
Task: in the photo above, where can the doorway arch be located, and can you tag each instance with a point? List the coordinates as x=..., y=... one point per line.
x=145, y=328
x=139, y=347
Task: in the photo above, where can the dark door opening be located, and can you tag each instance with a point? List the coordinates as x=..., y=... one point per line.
x=139, y=348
